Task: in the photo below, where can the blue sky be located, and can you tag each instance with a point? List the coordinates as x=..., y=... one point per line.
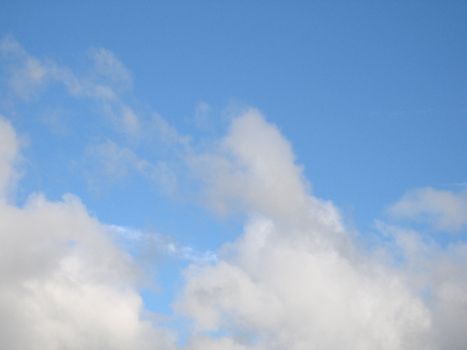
x=362, y=89
x=141, y=110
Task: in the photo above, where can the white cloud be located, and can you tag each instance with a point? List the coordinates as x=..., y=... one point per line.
x=275, y=291
x=295, y=280
x=208, y=343
x=253, y=168
x=64, y=284
x=444, y=209
x=438, y=273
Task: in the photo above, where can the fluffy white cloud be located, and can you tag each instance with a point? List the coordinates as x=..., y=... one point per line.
x=64, y=284
x=444, y=209
x=253, y=170
x=438, y=273
x=295, y=280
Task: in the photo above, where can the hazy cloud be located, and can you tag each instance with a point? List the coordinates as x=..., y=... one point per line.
x=445, y=210
x=9, y=147
x=109, y=67
x=104, y=83
x=109, y=162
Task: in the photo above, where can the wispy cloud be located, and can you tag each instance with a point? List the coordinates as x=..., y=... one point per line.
x=163, y=245
x=9, y=149
x=445, y=210
x=108, y=162
x=104, y=83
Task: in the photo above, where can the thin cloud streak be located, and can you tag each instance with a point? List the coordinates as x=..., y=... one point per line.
x=164, y=245
x=445, y=210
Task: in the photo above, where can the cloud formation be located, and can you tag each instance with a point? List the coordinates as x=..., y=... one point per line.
x=443, y=209
x=64, y=283
x=295, y=279
x=27, y=76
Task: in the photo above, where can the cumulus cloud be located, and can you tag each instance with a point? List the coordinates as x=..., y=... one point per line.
x=254, y=170
x=438, y=273
x=445, y=210
x=64, y=283
x=295, y=279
